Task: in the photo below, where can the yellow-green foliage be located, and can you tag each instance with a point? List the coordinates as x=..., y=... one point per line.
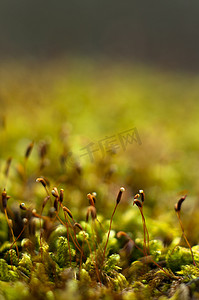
x=11, y=257
x=3, y=228
x=189, y=272
x=63, y=255
x=67, y=106
x=25, y=264
x=6, y=272
x=178, y=257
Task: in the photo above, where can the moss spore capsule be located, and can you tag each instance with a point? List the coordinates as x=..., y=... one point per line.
x=55, y=192
x=142, y=195
x=68, y=211
x=91, y=200
x=137, y=202
x=61, y=195
x=29, y=150
x=42, y=181
x=4, y=199
x=122, y=189
x=22, y=206
x=178, y=205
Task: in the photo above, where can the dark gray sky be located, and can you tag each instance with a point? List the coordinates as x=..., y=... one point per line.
x=162, y=32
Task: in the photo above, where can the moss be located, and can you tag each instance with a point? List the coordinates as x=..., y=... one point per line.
x=15, y=291
x=60, y=230
x=178, y=257
x=156, y=248
x=26, y=261
x=62, y=256
x=135, y=270
x=189, y=272
x=112, y=263
x=6, y=272
x=6, y=247
x=11, y=257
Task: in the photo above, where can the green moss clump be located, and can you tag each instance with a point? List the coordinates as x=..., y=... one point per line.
x=135, y=270
x=62, y=256
x=178, y=257
x=4, y=270
x=189, y=272
x=11, y=257
x=6, y=273
x=155, y=249
x=60, y=230
x=111, y=273
x=25, y=264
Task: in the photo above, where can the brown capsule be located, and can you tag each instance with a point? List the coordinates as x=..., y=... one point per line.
x=55, y=192
x=68, y=211
x=42, y=181
x=136, y=196
x=43, y=149
x=91, y=211
x=119, y=196
x=178, y=205
x=128, y=247
x=62, y=160
x=94, y=195
x=56, y=204
x=29, y=149
x=7, y=168
x=20, y=171
x=78, y=226
x=23, y=206
x=4, y=199
x=45, y=201
x=25, y=221
x=61, y=195
x=91, y=200
x=121, y=233
x=137, y=202
x=142, y=195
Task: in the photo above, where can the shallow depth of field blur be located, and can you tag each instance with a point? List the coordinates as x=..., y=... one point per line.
x=70, y=97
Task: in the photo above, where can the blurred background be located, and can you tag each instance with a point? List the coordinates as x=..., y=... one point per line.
x=164, y=33
x=78, y=74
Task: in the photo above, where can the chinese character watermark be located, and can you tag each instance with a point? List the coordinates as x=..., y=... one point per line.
x=109, y=144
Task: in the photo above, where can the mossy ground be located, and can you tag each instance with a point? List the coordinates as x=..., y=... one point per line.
x=64, y=106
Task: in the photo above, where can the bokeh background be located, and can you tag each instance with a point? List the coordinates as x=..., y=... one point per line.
x=76, y=72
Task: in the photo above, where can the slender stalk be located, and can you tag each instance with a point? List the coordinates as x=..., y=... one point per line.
x=60, y=220
x=119, y=196
x=184, y=235
x=146, y=233
x=11, y=232
x=67, y=230
x=66, y=217
x=16, y=238
x=104, y=253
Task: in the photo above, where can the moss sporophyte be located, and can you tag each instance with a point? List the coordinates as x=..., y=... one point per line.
x=47, y=249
